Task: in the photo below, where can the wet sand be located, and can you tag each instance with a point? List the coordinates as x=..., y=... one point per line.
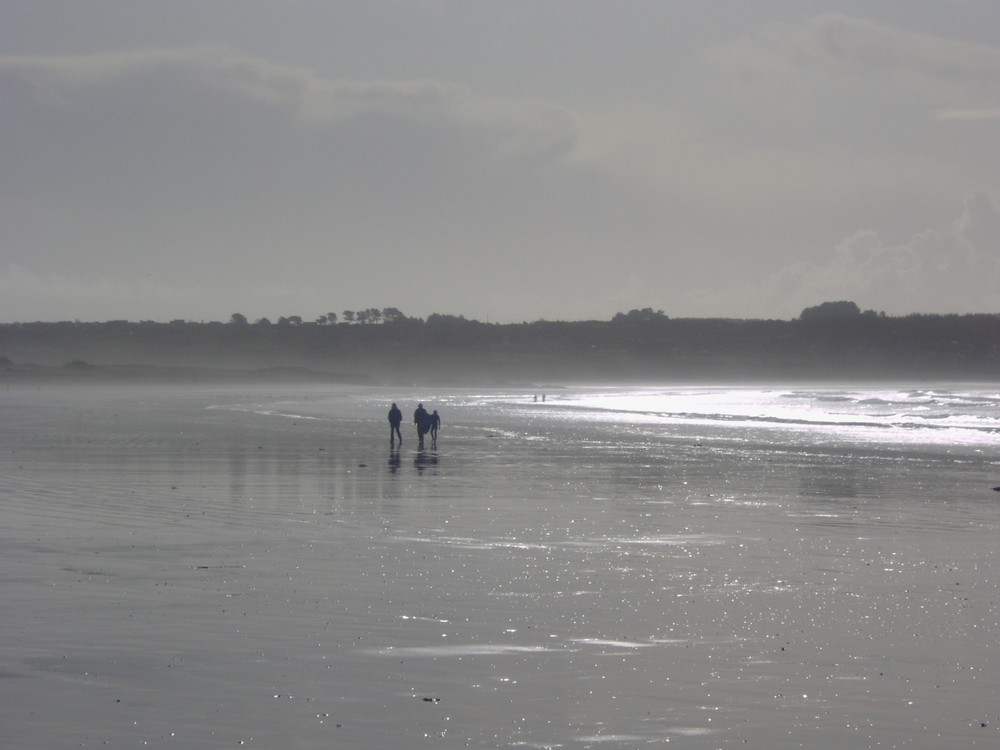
x=178, y=576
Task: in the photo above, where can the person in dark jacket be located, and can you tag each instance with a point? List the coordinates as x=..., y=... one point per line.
x=420, y=419
x=395, y=420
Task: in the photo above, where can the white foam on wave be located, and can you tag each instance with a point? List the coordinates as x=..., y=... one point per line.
x=474, y=544
x=463, y=649
x=612, y=643
x=674, y=540
x=867, y=415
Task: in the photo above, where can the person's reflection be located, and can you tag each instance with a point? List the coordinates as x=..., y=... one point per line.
x=425, y=459
x=394, y=460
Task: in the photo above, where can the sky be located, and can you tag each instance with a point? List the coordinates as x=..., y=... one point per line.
x=506, y=161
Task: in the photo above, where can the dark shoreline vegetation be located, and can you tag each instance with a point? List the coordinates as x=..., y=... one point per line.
x=833, y=341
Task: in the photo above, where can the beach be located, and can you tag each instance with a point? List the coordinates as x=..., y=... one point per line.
x=210, y=566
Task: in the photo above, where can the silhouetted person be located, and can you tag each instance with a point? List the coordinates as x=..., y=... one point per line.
x=420, y=420
x=395, y=420
x=419, y=413
x=435, y=424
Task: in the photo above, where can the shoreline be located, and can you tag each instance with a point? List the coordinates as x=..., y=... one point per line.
x=82, y=373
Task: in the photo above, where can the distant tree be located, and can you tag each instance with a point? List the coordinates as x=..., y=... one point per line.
x=644, y=315
x=262, y=322
x=831, y=311
x=374, y=315
x=238, y=319
x=331, y=318
x=349, y=316
x=392, y=314
x=361, y=316
x=295, y=320
x=437, y=319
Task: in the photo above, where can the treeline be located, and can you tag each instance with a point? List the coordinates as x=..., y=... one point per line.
x=834, y=340
x=371, y=315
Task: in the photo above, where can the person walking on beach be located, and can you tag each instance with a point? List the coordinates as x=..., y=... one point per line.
x=395, y=420
x=435, y=423
x=420, y=417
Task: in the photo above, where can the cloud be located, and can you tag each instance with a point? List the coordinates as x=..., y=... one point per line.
x=805, y=124
x=192, y=125
x=862, y=48
x=309, y=99
x=834, y=55
x=207, y=168
x=202, y=133
x=955, y=269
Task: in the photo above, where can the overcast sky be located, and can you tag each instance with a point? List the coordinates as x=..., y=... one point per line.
x=506, y=161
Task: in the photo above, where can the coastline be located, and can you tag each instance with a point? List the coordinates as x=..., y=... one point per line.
x=83, y=373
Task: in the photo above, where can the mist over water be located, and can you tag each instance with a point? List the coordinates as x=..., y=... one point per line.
x=614, y=567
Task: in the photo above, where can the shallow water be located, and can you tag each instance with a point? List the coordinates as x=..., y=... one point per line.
x=202, y=567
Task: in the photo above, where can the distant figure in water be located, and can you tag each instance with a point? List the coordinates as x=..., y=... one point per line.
x=435, y=424
x=395, y=420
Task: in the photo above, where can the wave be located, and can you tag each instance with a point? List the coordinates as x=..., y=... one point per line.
x=886, y=411
x=889, y=423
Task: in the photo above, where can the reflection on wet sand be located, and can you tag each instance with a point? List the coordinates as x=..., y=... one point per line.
x=425, y=460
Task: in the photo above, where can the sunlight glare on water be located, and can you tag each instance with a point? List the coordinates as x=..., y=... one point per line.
x=962, y=416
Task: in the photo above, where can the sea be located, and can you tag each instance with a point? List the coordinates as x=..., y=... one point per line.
x=955, y=415
x=694, y=566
